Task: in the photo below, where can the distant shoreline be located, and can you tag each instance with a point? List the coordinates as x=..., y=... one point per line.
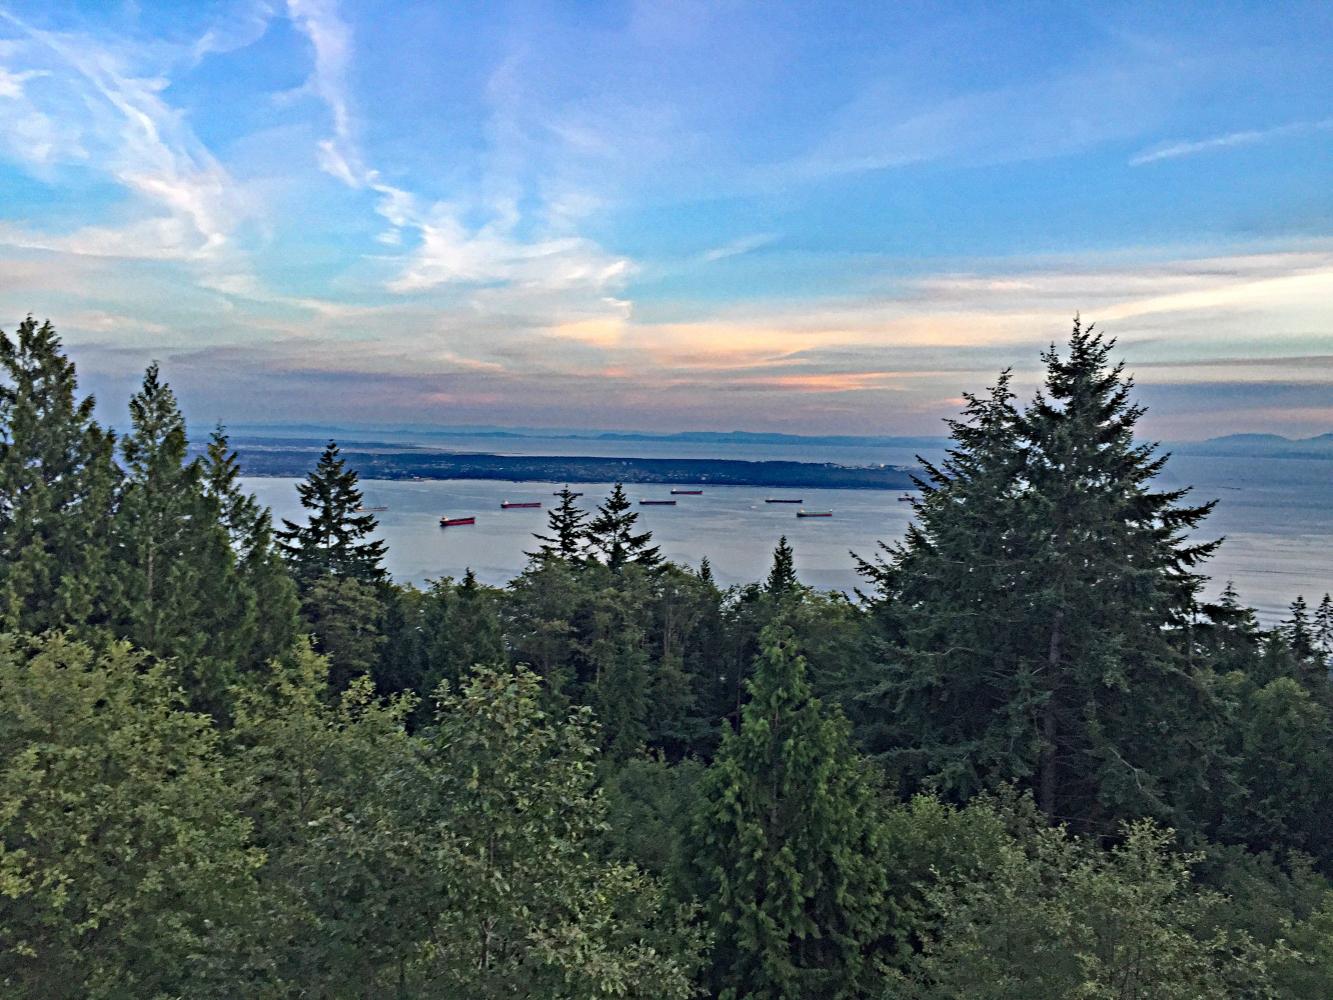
x=278, y=462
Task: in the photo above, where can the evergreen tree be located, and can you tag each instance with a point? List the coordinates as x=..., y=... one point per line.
x=1323, y=632
x=473, y=627
x=57, y=487
x=1297, y=630
x=1231, y=636
x=539, y=610
x=567, y=526
x=270, y=595
x=614, y=666
x=705, y=570
x=611, y=535
x=126, y=865
x=178, y=593
x=346, y=621
x=335, y=539
x=782, y=577
x=1281, y=738
x=1038, y=609
x=789, y=861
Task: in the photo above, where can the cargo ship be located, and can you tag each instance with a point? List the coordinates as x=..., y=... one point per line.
x=814, y=513
x=518, y=505
x=560, y=493
x=657, y=503
x=455, y=522
x=687, y=493
x=783, y=500
x=370, y=510
x=907, y=497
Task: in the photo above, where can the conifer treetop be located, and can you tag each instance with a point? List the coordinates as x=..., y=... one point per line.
x=335, y=540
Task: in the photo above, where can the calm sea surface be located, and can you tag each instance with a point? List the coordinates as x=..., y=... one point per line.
x=1276, y=514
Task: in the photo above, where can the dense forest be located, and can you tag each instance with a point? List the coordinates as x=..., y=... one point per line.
x=1029, y=760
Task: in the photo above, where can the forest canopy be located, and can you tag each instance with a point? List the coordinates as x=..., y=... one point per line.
x=1031, y=759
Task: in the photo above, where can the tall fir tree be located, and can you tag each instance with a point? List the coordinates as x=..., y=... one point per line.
x=789, y=860
x=1039, y=606
x=567, y=527
x=57, y=488
x=335, y=540
x=611, y=536
x=270, y=594
x=177, y=590
x=1323, y=632
x=1297, y=629
x=782, y=575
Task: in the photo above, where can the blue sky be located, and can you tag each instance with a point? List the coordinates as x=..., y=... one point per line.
x=830, y=217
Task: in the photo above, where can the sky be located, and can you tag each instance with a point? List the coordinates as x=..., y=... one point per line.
x=802, y=217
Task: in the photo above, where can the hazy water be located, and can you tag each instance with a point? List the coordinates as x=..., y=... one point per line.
x=1277, y=516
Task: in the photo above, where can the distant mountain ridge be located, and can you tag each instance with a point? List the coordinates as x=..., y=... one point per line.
x=1258, y=446
x=420, y=432
x=1248, y=445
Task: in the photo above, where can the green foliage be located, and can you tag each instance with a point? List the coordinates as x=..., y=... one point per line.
x=1307, y=967
x=178, y=592
x=1037, y=612
x=567, y=524
x=127, y=869
x=1055, y=916
x=57, y=488
x=532, y=911
x=782, y=575
x=268, y=593
x=349, y=885
x=344, y=616
x=1282, y=741
x=650, y=805
x=789, y=855
x=394, y=810
x=611, y=537
x=457, y=863
x=438, y=635
x=335, y=540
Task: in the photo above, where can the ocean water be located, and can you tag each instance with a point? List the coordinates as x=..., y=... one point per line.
x=1276, y=516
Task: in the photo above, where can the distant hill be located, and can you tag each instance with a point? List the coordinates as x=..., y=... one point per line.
x=1258, y=446
x=407, y=436
x=445, y=434
x=294, y=458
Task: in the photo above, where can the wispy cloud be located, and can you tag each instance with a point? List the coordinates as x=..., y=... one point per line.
x=322, y=23
x=1250, y=137
x=98, y=112
x=894, y=124
x=11, y=84
x=737, y=247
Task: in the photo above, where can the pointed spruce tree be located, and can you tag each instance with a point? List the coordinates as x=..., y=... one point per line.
x=789, y=863
x=270, y=594
x=1323, y=632
x=57, y=488
x=566, y=523
x=335, y=540
x=782, y=575
x=177, y=592
x=611, y=536
x=1040, y=607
